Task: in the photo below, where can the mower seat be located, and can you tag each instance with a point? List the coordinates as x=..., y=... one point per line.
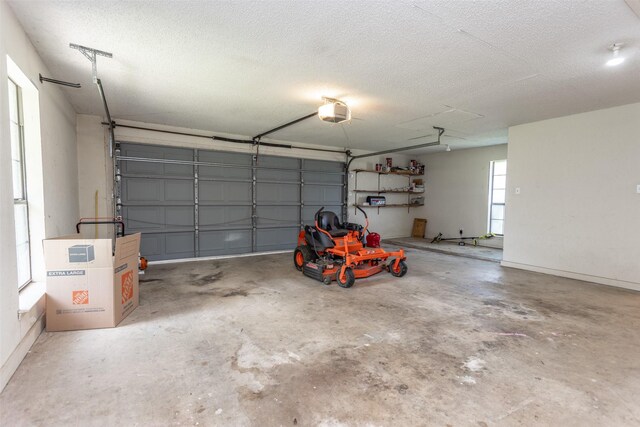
x=329, y=222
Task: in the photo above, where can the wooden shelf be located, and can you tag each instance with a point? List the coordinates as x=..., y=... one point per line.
x=408, y=205
x=402, y=173
x=390, y=205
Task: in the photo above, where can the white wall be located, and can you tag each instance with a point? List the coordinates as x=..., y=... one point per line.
x=578, y=213
x=94, y=173
x=95, y=169
x=59, y=210
x=457, y=191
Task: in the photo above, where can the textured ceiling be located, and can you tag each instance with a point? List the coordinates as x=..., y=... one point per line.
x=244, y=67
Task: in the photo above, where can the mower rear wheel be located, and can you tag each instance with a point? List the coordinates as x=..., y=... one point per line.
x=301, y=255
x=400, y=271
x=349, y=278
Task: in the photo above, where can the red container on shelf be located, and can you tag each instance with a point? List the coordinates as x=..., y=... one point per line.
x=389, y=162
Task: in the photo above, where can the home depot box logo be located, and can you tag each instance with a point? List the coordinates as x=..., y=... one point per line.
x=127, y=286
x=80, y=297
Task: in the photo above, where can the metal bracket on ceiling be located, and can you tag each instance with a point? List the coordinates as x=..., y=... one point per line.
x=91, y=54
x=256, y=143
x=58, y=82
x=396, y=150
x=440, y=132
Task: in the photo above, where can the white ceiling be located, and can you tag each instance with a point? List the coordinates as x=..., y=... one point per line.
x=244, y=67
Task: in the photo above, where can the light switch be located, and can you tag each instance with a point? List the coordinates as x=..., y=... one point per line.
x=518, y=190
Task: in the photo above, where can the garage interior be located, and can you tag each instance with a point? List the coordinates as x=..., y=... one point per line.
x=220, y=131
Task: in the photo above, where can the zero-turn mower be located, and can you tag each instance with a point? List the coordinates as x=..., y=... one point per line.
x=333, y=251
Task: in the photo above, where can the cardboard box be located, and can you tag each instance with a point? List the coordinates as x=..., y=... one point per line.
x=419, y=227
x=88, y=284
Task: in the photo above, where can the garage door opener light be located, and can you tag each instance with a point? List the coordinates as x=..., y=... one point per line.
x=334, y=111
x=617, y=59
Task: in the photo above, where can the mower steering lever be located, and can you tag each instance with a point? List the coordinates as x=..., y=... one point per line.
x=366, y=220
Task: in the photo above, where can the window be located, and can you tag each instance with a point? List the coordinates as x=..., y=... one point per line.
x=497, y=193
x=20, y=204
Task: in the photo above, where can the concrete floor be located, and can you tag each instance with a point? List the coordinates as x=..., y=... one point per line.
x=449, y=247
x=250, y=341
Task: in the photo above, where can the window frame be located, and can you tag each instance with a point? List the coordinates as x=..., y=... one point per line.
x=492, y=177
x=24, y=200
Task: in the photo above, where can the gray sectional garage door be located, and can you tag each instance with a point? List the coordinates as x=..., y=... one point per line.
x=196, y=203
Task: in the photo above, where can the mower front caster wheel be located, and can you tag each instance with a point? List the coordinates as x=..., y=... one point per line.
x=400, y=271
x=301, y=256
x=349, y=278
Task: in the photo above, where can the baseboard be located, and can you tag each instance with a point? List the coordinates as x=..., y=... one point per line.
x=11, y=365
x=571, y=275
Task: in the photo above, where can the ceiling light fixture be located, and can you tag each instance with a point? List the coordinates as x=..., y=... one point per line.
x=448, y=148
x=617, y=59
x=334, y=111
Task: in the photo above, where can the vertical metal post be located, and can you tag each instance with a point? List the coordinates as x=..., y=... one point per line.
x=196, y=198
x=254, y=220
x=301, y=207
x=345, y=194
x=116, y=193
x=355, y=186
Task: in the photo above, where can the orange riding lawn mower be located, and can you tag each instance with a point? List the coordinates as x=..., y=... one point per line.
x=333, y=251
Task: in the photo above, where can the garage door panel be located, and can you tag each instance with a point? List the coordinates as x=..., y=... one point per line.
x=180, y=245
x=243, y=161
x=178, y=191
x=278, y=215
x=223, y=192
x=143, y=218
x=272, y=168
x=179, y=217
x=323, y=166
x=277, y=239
x=151, y=245
x=278, y=162
x=142, y=190
x=318, y=194
x=278, y=175
x=209, y=172
x=224, y=216
x=154, y=152
x=321, y=178
x=278, y=193
x=223, y=242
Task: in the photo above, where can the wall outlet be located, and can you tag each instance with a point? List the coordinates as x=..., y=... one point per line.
x=517, y=190
x=638, y=188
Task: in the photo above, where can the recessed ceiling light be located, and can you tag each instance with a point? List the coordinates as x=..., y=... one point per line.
x=617, y=59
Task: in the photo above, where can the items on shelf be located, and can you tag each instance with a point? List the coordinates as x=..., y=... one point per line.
x=376, y=200
x=417, y=200
x=415, y=186
x=414, y=168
